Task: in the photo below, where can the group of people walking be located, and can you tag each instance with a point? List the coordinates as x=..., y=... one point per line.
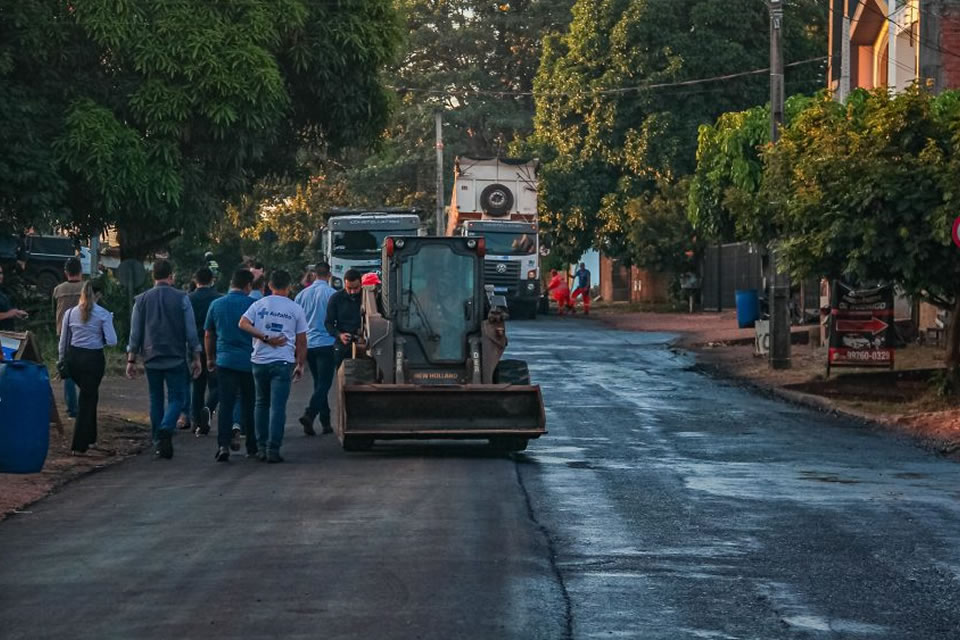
x=236, y=354
x=253, y=349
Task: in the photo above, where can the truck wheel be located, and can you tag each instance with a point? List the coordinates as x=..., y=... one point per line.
x=359, y=371
x=512, y=372
x=496, y=200
x=357, y=443
x=508, y=444
x=47, y=282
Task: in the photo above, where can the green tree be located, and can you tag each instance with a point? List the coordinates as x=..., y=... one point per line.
x=723, y=204
x=868, y=191
x=607, y=136
x=474, y=61
x=659, y=234
x=154, y=113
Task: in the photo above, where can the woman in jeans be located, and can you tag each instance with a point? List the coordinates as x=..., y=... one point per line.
x=87, y=328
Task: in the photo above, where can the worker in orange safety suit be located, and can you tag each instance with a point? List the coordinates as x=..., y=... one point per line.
x=559, y=291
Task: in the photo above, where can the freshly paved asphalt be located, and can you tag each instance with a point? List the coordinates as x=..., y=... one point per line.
x=663, y=504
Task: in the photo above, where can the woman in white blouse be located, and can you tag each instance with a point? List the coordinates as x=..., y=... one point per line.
x=87, y=328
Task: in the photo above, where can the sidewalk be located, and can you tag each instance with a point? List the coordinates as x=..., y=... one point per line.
x=902, y=399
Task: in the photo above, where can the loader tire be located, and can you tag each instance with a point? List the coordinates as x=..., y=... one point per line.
x=512, y=372
x=359, y=371
x=508, y=444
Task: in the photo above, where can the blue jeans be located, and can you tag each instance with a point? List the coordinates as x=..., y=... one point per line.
x=321, y=362
x=70, y=396
x=165, y=418
x=270, y=416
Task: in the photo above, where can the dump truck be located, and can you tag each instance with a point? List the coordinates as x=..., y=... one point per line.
x=428, y=359
x=496, y=199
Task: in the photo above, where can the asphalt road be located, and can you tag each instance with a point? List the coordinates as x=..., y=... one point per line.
x=663, y=504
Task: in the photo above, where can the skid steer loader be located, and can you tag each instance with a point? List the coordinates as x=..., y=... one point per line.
x=427, y=363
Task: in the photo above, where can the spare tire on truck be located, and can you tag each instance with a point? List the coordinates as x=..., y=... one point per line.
x=496, y=200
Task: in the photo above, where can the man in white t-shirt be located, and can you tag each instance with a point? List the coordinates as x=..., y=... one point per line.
x=279, y=329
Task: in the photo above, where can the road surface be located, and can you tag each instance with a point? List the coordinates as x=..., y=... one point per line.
x=663, y=504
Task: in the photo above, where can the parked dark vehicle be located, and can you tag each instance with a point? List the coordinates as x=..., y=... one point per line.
x=37, y=260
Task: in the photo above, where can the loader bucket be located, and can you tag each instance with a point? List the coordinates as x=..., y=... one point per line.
x=452, y=411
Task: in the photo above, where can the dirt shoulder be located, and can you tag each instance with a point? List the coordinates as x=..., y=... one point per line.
x=903, y=399
x=123, y=431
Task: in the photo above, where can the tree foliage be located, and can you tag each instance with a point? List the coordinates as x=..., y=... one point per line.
x=150, y=114
x=869, y=190
x=473, y=61
x=608, y=137
x=865, y=191
x=723, y=204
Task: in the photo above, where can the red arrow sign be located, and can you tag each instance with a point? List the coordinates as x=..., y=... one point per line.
x=874, y=325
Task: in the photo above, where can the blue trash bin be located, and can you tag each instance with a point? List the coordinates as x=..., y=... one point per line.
x=748, y=307
x=24, y=416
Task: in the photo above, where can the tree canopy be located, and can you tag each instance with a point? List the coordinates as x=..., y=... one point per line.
x=608, y=137
x=150, y=114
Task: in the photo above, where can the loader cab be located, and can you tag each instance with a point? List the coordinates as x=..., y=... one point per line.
x=433, y=294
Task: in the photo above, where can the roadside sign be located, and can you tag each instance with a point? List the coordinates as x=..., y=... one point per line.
x=862, y=332
x=956, y=231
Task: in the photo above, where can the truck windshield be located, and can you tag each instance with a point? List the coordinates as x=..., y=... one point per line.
x=364, y=243
x=502, y=243
x=436, y=291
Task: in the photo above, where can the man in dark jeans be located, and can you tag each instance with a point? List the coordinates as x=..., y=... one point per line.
x=205, y=394
x=314, y=300
x=228, y=353
x=343, y=316
x=163, y=331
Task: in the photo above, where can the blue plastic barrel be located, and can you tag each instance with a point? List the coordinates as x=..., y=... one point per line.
x=748, y=307
x=24, y=416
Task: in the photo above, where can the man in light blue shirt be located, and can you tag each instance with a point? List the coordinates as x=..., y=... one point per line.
x=320, y=357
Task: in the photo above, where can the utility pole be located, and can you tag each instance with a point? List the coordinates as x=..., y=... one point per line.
x=95, y=253
x=844, y=89
x=779, y=283
x=441, y=222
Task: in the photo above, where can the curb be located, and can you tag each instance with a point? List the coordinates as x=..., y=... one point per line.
x=823, y=405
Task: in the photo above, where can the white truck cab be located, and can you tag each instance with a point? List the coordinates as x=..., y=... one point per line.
x=352, y=239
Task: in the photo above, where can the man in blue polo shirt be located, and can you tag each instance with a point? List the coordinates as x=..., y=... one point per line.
x=228, y=353
x=320, y=357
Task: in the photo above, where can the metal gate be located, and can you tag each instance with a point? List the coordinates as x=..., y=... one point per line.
x=726, y=268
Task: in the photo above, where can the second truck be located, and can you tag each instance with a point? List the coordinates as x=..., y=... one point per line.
x=352, y=238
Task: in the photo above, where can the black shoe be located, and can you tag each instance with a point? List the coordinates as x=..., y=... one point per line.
x=326, y=428
x=273, y=457
x=223, y=454
x=307, y=423
x=235, y=438
x=165, y=448
x=184, y=425
x=203, y=427
x=262, y=456
x=252, y=454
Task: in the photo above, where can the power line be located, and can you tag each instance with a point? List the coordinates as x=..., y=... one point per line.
x=619, y=90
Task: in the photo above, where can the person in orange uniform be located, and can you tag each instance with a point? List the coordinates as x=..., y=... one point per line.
x=559, y=290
